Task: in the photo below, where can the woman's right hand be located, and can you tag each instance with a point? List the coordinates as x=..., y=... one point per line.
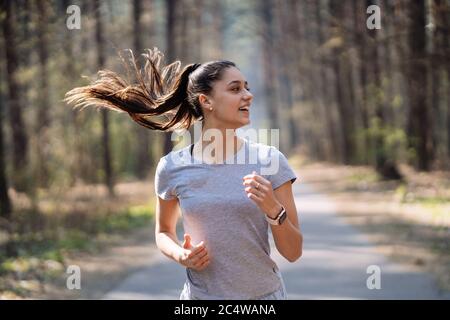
x=194, y=257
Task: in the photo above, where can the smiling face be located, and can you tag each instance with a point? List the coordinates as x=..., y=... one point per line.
x=230, y=100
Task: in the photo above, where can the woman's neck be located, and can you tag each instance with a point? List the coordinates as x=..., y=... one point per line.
x=217, y=144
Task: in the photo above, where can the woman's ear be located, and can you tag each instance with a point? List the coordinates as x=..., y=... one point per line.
x=205, y=101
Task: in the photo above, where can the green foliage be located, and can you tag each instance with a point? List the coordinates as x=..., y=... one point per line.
x=397, y=102
x=43, y=252
x=371, y=176
x=133, y=217
x=51, y=242
x=401, y=192
x=393, y=141
x=363, y=149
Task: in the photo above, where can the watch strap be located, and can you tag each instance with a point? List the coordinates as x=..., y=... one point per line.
x=277, y=220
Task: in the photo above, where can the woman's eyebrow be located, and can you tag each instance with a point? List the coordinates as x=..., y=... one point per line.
x=238, y=81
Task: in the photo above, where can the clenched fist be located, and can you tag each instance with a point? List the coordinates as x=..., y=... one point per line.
x=194, y=257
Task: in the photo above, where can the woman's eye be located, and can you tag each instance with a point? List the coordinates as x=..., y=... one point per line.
x=238, y=89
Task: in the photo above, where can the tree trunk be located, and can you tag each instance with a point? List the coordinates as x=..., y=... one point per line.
x=144, y=158
x=419, y=120
x=104, y=113
x=218, y=26
x=324, y=84
x=384, y=164
x=282, y=16
x=441, y=13
x=183, y=32
x=170, y=56
x=269, y=63
x=340, y=67
x=446, y=55
x=199, y=32
x=43, y=116
x=5, y=202
x=359, y=26
x=73, y=121
x=19, y=136
x=373, y=56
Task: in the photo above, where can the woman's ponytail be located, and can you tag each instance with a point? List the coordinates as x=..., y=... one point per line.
x=159, y=92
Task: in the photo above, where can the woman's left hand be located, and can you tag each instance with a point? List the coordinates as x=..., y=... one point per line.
x=261, y=192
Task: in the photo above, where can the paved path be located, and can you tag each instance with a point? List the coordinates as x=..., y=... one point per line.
x=333, y=266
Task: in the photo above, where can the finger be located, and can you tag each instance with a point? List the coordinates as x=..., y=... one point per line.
x=254, y=197
x=251, y=182
x=262, y=180
x=196, y=261
x=199, y=262
x=200, y=244
x=196, y=251
x=254, y=191
x=199, y=255
x=260, y=188
x=187, y=241
x=203, y=265
x=251, y=175
x=194, y=254
x=257, y=179
x=202, y=254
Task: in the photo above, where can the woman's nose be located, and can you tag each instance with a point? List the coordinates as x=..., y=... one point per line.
x=248, y=95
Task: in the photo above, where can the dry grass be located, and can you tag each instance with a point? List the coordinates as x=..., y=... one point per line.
x=47, y=234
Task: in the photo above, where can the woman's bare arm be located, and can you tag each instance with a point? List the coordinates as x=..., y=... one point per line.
x=288, y=237
x=167, y=212
x=191, y=256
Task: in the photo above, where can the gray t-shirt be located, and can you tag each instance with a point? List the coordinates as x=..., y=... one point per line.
x=215, y=208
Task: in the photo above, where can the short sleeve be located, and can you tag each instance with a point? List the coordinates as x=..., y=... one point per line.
x=163, y=181
x=282, y=171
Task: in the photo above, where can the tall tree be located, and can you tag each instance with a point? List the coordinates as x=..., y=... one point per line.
x=325, y=95
x=267, y=30
x=217, y=11
x=445, y=13
x=446, y=53
x=360, y=40
x=182, y=30
x=144, y=159
x=419, y=124
x=107, y=166
x=43, y=115
x=440, y=65
x=290, y=76
x=171, y=54
x=73, y=120
x=384, y=164
x=198, y=30
x=340, y=65
x=15, y=109
x=5, y=201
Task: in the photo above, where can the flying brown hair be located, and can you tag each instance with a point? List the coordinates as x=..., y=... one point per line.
x=161, y=97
